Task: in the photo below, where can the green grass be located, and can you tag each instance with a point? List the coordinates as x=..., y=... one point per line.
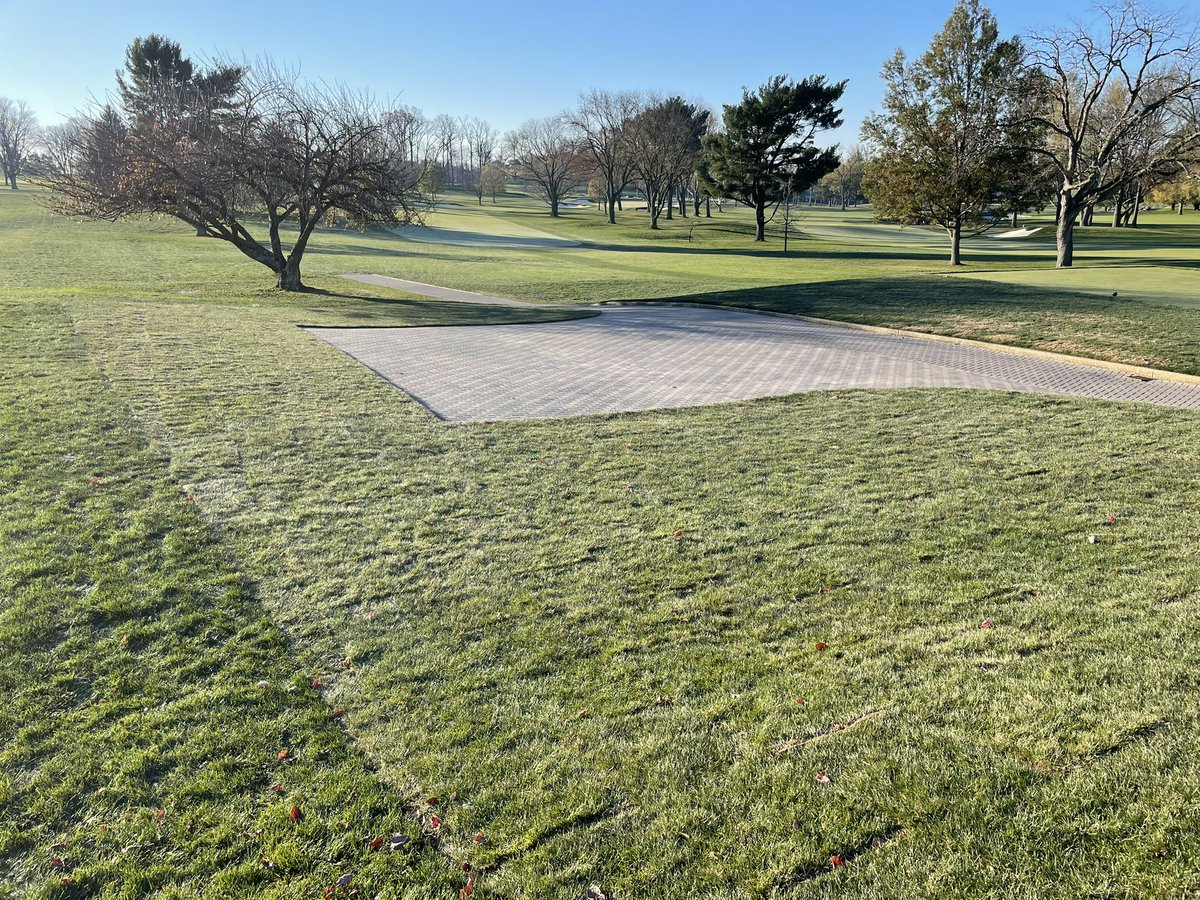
x=505, y=616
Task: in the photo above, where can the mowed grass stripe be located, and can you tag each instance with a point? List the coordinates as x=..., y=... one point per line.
x=139, y=753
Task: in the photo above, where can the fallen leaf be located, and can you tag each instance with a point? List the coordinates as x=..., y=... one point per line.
x=343, y=882
x=821, y=777
x=316, y=682
x=283, y=754
x=399, y=840
x=296, y=814
x=435, y=821
x=479, y=838
x=467, y=889
x=800, y=701
x=821, y=645
x=56, y=861
x=679, y=534
x=68, y=880
x=338, y=713
x=276, y=788
x=836, y=861
x=986, y=623
x=433, y=801
x=594, y=893
x=375, y=844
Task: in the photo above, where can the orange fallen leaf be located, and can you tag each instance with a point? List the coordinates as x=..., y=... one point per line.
x=375, y=844
x=296, y=814
x=836, y=861
x=821, y=645
x=283, y=754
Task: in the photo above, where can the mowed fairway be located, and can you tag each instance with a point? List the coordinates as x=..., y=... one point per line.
x=948, y=637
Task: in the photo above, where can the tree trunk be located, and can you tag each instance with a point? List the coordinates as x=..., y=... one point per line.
x=200, y=232
x=1014, y=218
x=760, y=221
x=612, y=207
x=289, y=276
x=1065, y=232
x=682, y=202
x=1118, y=208
x=1137, y=207
x=554, y=207
x=955, y=244
x=708, y=207
x=696, y=205
x=670, y=203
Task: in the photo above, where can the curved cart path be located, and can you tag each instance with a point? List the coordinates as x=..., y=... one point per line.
x=650, y=357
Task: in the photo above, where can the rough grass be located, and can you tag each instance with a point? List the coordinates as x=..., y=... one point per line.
x=510, y=624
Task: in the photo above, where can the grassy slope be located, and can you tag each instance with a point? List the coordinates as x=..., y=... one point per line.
x=845, y=269
x=611, y=704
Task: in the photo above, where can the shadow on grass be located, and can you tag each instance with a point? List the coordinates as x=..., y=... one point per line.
x=354, y=310
x=915, y=299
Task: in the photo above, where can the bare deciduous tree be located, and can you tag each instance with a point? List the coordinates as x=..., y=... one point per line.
x=544, y=152
x=278, y=152
x=481, y=140
x=1155, y=58
x=18, y=137
x=602, y=121
x=665, y=141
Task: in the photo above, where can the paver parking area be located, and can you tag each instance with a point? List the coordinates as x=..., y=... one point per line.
x=646, y=357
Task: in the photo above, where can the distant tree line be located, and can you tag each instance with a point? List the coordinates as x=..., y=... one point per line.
x=977, y=131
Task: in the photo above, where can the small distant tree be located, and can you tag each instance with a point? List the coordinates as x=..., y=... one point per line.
x=768, y=139
x=544, y=152
x=952, y=129
x=481, y=139
x=431, y=182
x=18, y=137
x=492, y=179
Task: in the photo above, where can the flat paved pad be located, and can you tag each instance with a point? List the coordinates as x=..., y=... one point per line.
x=634, y=358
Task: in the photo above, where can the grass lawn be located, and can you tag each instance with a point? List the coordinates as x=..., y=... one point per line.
x=199, y=496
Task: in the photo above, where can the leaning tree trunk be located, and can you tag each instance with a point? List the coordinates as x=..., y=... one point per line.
x=1137, y=206
x=1064, y=232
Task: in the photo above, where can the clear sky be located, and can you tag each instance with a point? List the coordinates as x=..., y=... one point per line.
x=502, y=61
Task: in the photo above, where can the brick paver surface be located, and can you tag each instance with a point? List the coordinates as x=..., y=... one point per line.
x=634, y=358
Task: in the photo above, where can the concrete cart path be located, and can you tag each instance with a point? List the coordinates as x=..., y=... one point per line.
x=647, y=357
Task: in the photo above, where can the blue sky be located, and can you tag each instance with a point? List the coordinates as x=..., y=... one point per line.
x=504, y=62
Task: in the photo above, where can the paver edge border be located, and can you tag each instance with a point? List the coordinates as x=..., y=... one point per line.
x=1123, y=368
